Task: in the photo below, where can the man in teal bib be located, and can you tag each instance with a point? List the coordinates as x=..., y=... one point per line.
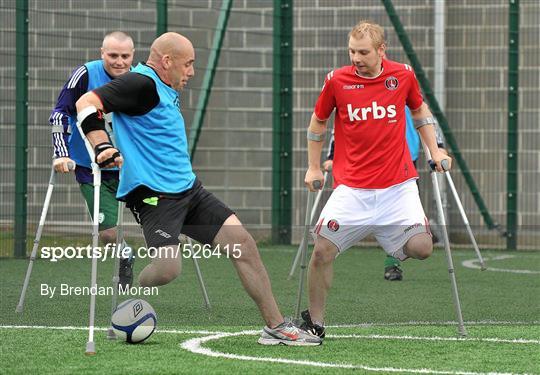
x=158, y=183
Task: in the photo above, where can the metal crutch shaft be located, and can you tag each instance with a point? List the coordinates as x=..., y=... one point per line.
x=96, y=172
x=48, y=195
x=116, y=278
x=465, y=220
x=199, y=277
x=313, y=209
x=303, y=265
x=442, y=220
x=20, y=305
x=90, y=345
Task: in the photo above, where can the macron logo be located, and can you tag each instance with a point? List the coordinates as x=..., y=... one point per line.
x=379, y=112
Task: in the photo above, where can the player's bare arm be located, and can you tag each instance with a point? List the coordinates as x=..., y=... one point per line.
x=426, y=128
x=316, y=135
x=88, y=106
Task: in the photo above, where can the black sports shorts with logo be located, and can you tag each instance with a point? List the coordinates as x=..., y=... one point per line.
x=196, y=213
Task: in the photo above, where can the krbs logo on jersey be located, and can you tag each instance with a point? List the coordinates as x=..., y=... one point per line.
x=391, y=83
x=378, y=112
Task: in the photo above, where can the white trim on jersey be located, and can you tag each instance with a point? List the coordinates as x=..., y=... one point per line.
x=408, y=67
x=57, y=118
x=377, y=76
x=330, y=75
x=60, y=145
x=76, y=76
x=58, y=138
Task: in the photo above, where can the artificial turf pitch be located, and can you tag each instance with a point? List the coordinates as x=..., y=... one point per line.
x=386, y=327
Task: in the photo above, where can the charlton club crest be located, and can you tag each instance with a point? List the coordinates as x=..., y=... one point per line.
x=333, y=225
x=391, y=83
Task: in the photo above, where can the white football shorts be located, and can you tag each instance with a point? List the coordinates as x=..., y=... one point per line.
x=393, y=215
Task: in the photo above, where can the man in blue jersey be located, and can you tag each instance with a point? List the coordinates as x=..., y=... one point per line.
x=116, y=57
x=158, y=183
x=392, y=266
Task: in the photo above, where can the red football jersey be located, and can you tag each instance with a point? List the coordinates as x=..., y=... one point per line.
x=370, y=149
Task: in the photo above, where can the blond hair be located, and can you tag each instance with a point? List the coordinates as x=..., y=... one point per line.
x=371, y=29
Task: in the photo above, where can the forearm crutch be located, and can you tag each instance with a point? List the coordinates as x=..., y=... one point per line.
x=96, y=173
x=119, y=250
x=311, y=211
x=303, y=248
x=52, y=179
x=442, y=220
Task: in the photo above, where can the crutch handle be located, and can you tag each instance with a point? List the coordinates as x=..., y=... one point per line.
x=444, y=165
x=71, y=165
x=317, y=185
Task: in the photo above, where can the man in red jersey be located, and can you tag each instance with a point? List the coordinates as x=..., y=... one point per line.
x=374, y=177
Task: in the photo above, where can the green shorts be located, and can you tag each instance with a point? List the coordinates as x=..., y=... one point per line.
x=108, y=205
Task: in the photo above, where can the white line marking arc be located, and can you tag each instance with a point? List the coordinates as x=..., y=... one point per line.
x=472, y=263
x=195, y=345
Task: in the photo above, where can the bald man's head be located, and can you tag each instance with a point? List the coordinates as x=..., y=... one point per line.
x=172, y=57
x=117, y=52
x=171, y=44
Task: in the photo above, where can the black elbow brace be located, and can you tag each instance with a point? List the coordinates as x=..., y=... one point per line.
x=94, y=121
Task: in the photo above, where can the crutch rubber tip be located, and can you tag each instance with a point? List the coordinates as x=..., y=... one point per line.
x=90, y=348
x=19, y=309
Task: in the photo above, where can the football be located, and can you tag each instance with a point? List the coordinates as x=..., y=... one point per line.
x=134, y=321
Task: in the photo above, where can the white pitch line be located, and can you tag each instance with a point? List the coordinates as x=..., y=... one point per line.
x=471, y=263
x=73, y=328
x=438, y=338
x=195, y=346
x=355, y=325
x=434, y=323
x=374, y=336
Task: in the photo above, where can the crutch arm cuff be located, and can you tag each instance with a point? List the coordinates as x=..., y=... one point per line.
x=316, y=137
x=91, y=119
x=418, y=123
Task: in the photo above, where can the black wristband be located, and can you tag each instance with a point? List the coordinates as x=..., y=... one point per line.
x=99, y=148
x=94, y=121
